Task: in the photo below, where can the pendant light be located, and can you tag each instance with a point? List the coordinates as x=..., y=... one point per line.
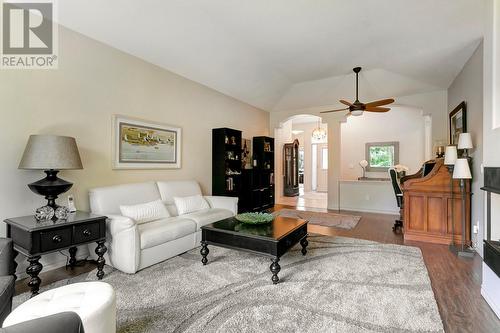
x=319, y=133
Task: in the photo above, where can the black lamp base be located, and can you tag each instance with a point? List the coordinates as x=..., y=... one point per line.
x=50, y=187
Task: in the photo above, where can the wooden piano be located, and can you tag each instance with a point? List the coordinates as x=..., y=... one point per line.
x=432, y=210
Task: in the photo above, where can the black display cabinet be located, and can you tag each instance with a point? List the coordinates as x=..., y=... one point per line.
x=226, y=162
x=258, y=182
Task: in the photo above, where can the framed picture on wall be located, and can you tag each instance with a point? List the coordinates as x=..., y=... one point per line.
x=142, y=144
x=457, y=122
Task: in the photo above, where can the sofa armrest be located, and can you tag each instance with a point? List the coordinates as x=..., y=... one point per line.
x=64, y=322
x=118, y=223
x=229, y=203
x=6, y=257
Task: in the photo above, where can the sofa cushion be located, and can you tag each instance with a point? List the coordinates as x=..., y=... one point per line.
x=176, y=188
x=145, y=212
x=207, y=216
x=107, y=200
x=164, y=230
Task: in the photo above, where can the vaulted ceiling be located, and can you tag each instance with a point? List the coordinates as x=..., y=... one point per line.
x=291, y=54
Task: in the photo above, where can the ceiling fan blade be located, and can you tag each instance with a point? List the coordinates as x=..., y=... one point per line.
x=376, y=109
x=345, y=102
x=334, y=110
x=380, y=102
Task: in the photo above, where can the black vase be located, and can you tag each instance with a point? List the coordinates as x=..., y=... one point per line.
x=50, y=187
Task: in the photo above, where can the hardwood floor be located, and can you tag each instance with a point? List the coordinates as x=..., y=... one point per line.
x=456, y=282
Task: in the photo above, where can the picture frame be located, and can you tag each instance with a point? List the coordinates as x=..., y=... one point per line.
x=457, y=122
x=144, y=144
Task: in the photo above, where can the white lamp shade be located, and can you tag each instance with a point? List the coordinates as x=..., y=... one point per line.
x=461, y=169
x=465, y=141
x=363, y=163
x=450, y=155
x=356, y=112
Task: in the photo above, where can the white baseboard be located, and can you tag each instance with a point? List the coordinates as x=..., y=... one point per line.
x=490, y=289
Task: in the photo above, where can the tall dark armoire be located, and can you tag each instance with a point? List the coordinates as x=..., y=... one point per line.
x=291, y=169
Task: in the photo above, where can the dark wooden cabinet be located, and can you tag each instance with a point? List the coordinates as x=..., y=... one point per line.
x=261, y=177
x=291, y=169
x=226, y=162
x=254, y=187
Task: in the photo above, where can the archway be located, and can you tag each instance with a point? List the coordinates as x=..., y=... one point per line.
x=312, y=163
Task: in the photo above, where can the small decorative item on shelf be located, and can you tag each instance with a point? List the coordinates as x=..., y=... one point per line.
x=229, y=184
x=233, y=140
x=230, y=155
x=255, y=218
x=267, y=146
x=61, y=213
x=44, y=213
x=226, y=140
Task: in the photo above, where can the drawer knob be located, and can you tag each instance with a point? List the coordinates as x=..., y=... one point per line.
x=87, y=232
x=57, y=239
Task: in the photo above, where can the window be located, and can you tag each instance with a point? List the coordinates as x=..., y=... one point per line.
x=301, y=160
x=381, y=155
x=324, y=158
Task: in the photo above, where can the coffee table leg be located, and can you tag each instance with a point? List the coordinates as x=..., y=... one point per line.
x=275, y=269
x=72, y=257
x=204, y=252
x=304, y=244
x=33, y=270
x=100, y=250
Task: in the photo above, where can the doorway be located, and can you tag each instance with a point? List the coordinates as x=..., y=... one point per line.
x=312, y=162
x=319, y=167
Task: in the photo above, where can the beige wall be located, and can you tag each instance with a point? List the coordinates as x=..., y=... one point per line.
x=468, y=87
x=93, y=82
x=402, y=124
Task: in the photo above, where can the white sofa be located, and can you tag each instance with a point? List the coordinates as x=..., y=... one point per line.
x=132, y=246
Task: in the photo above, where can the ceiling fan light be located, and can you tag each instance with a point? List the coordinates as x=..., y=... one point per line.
x=357, y=112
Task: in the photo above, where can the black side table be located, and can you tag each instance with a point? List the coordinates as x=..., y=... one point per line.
x=34, y=239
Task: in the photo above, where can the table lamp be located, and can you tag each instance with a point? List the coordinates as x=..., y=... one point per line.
x=462, y=172
x=465, y=143
x=50, y=153
x=363, y=164
x=450, y=157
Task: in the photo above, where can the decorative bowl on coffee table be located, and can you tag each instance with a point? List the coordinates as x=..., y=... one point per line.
x=255, y=218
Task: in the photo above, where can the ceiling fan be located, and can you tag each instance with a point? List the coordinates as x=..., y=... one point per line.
x=357, y=108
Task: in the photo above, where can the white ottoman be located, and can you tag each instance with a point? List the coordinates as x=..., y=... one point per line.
x=94, y=302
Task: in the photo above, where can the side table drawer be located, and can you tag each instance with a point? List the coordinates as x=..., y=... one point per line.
x=55, y=239
x=86, y=232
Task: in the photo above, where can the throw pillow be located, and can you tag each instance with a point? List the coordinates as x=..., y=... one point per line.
x=145, y=212
x=186, y=205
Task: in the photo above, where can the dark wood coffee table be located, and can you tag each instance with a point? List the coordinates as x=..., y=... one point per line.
x=272, y=240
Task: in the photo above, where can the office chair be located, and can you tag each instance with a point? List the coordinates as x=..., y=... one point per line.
x=398, y=224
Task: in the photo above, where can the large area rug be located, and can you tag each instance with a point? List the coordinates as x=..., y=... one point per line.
x=342, y=221
x=341, y=285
